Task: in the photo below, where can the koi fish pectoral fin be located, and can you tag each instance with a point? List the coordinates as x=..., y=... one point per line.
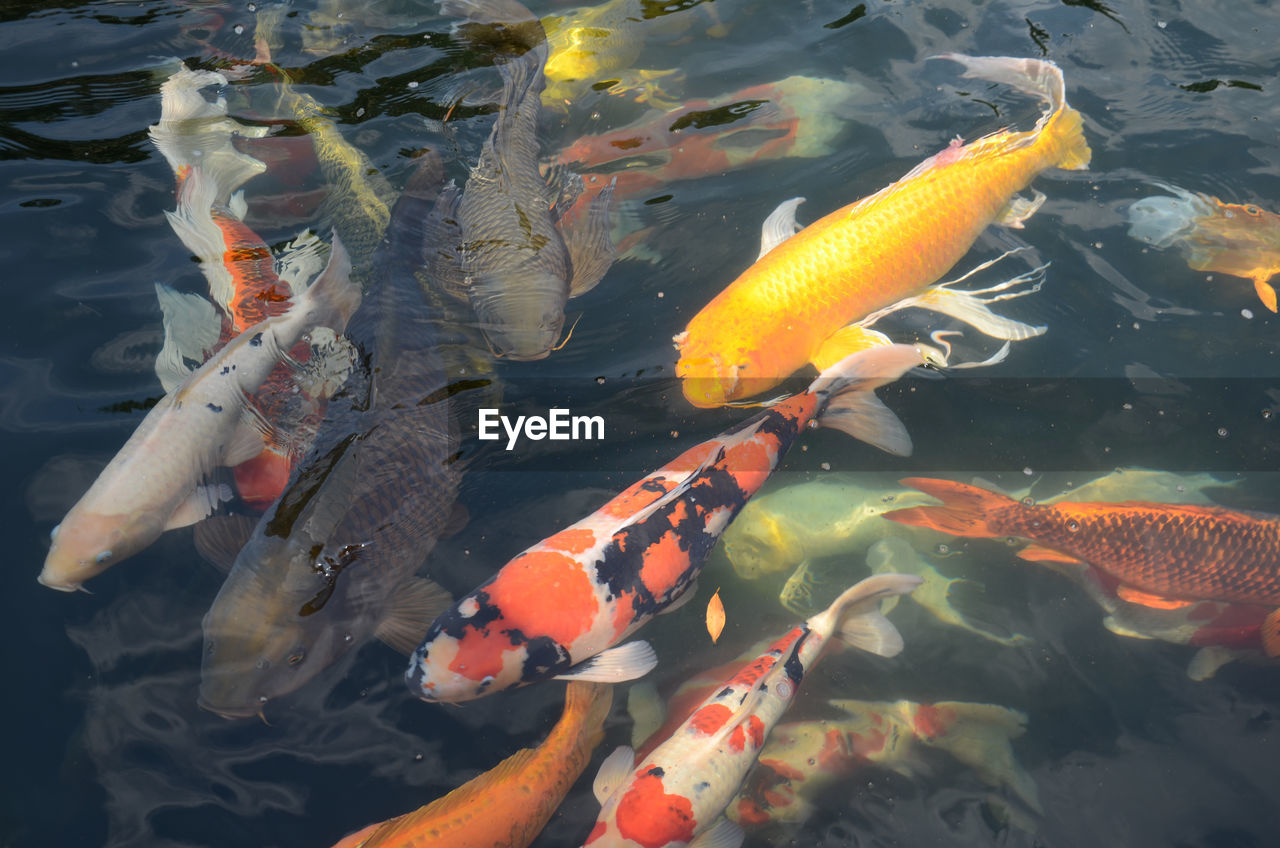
x=203, y=501
x=613, y=772
x=411, y=609
x=780, y=226
x=1019, y=209
x=1206, y=661
x=1038, y=553
x=723, y=834
x=1271, y=633
x=847, y=340
x=590, y=244
x=624, y=662
x=1148, y=599
x=1266, y=293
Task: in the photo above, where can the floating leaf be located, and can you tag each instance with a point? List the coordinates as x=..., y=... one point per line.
x=715, y=616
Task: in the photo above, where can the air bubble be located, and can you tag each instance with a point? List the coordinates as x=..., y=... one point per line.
x=238, y=29
x=826, y=466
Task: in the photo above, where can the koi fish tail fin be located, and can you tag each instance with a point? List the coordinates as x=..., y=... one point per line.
x=1061, y=125
x=1162, y=221
x=847, y=391
x=964, y=509
x=856, y=614
x=587, y=705
x=979, y=736
x=334, y=296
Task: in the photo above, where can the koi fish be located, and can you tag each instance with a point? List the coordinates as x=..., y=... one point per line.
x=560, y=607
x=1160, y=555
x=803, y=760
x=154, y=483
x=332, y=564
x=510, y=804
x=506, y=246
x=679, y=791
x=811, y=296
x=1239, y=239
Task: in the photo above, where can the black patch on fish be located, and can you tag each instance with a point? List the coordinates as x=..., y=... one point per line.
x=718, y=117
x=545, y=657
x=656, y=771
x=728, y=690
x=226, y=369
x=214, y=407
x=793, y=666
x=293, y=502
x=256, y=341
x=453, y=623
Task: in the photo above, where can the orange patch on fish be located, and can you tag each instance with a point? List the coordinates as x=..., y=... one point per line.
x=663, y=563
x=650, y=817
x=636, y=498
x=710, y=718
x=522, y=591
x=596, y=832
x=478, y=657
x=751, y=813
x=694, y=457
x=932, y=722
x=867, y=744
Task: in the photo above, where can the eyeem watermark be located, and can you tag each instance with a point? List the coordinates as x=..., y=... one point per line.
x=558, y=426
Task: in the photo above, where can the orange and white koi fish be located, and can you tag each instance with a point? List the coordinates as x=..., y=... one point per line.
x=1239, y=239
x=155, y=482
x=511, y=803
x=804, y=759
x=678, y=793
x=810, y=297
x=559, y=608
x=1164, y=556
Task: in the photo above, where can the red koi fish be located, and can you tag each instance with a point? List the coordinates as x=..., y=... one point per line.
x=679, y=791
x=1159, y=555
x=574, y=596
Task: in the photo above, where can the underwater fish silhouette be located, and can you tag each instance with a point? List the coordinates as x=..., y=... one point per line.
x=333, y=563
x=504, y=241
x=680, y=790
x=510, y=803
x=802, y=300
x=559, y=608
x=1239, y=239
x=1160, y=555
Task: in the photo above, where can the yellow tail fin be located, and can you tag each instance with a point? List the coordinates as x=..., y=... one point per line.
x=1067, y=131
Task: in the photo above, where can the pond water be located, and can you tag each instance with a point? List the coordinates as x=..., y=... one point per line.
x=1146, y=363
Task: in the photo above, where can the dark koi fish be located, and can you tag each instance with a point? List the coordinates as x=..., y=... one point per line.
x=559, y=608
x=1160, y=555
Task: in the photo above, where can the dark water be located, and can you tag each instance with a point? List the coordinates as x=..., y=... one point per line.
x=1145, y=363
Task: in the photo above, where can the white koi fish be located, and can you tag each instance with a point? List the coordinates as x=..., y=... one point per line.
x=157, y=480
x=678, y=793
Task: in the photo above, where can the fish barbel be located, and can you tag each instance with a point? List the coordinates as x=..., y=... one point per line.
x=154, y=482
x=683, y=786
x=560, y=607
x=510, y=803
x=507, y=246
x=333, y=563
x=1239, y=239
x=801, y=300
x=1161, y=555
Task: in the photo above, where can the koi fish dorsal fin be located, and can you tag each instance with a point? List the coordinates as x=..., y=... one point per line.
x=1266, y=293
x=1147, y=599
x=780, y=226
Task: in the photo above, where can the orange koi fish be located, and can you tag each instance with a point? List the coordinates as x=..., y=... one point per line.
x=509, y=804
x=681, y=789
x=1164, y=556
x=804, y=759
x=560, y=608
x=811, y=296
x=1239, y=239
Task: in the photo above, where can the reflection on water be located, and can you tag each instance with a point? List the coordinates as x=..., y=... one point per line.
x=1147, y=363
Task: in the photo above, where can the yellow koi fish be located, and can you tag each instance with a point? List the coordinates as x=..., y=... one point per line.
x=1239, y=239
x=811, y=295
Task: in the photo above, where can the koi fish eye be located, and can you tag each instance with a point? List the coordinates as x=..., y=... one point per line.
x=1028, y=501
x=210, y=647
x=297, y=657
x=1253, y=210
x=783, y=689
x=103, y=558
x=1073, y=525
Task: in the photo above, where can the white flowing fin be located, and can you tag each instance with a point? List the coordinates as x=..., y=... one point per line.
x=192, y=328
x=780, y=225
x=302, y=259
x=203, y=501
x=613, y=772
x=723, y=834
x=1206, y=661
x=865, y=417
x=624, y=662
x=1019, y=209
